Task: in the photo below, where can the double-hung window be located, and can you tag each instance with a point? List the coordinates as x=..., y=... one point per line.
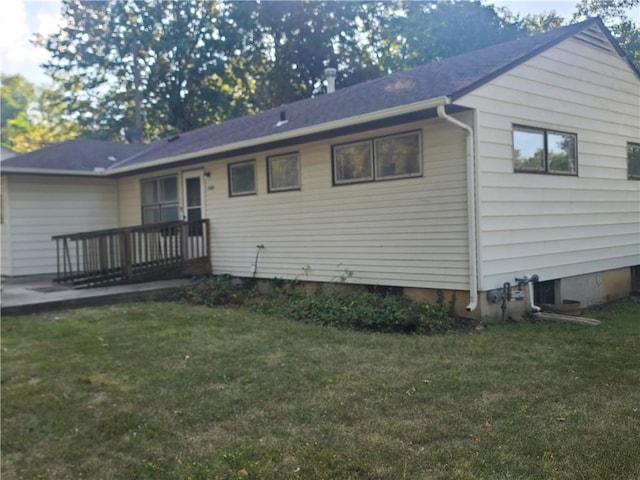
x=381, y=158
x=159, y=199
x=536, y=150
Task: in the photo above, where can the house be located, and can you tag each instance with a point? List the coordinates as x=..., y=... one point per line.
x=516, y=160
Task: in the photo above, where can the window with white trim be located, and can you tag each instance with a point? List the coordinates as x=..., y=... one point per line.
x=537, y=150
x=380, y=158
x=159, y=199
x=633, y=160
x=283, y=172
x=242, y=178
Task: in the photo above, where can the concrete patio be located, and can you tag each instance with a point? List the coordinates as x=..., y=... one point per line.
x=25, y=295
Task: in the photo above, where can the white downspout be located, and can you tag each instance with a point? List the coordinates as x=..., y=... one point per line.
x=471, y=206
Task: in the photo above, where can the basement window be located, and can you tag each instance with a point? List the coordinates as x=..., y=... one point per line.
x=633, y=160
x=283, y=172
x=242, y=178
x=537, y=150
x=380, y=158
x=159, y=199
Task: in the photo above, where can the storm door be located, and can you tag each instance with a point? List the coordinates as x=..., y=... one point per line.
x=193, y=202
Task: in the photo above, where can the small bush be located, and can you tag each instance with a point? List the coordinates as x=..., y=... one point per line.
x=332, y=306
x=358, y=310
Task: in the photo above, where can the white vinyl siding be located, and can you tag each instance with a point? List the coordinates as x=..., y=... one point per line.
x=559, y=226
x=5, y=257
x=45, y=206
x=411, y=232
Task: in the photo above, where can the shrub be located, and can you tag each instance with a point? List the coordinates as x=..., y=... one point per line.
x=359, y=310
x=331, y=306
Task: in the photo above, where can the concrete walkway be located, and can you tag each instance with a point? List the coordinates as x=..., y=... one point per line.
x=24, y=295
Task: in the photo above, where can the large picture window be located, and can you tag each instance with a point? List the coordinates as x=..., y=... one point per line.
x=633, y=160
x=381, y=158
x=544, y=151
x=283, y=172
x=159, y=199
x=242, y=178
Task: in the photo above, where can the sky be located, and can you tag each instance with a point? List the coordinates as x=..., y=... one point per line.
x=21, y=19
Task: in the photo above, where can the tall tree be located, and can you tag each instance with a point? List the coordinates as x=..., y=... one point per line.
x=17, y=94
x=124, y=60
x=44, y=123
x=32, y=118
x=427, y=31
x=290, y=43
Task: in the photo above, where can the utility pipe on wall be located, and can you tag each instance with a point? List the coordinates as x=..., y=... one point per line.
x=471, y=206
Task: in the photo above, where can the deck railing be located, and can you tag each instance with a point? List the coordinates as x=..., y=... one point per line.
x=134, y=254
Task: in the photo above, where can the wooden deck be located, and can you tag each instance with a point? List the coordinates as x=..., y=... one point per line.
x=133, y=254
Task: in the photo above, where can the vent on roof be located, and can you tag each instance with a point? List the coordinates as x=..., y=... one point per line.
x=330, y=75
x=111, y=158
x=283, y=119
x=594, y=37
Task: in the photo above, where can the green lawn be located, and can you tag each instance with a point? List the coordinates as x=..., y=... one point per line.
x=169, y=391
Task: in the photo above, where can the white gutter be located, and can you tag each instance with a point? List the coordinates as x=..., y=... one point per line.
x=52, y=171
x=471, y=206
x=322, y=127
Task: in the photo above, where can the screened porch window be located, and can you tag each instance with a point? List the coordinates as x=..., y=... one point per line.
x=159, y=199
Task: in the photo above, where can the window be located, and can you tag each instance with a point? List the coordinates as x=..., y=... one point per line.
x=398, y=156
x=544, y=151
x=242, y=178
x=633, y=160
x=159, y=199
x=283, y=172
x=382, y=158
x=353, y=162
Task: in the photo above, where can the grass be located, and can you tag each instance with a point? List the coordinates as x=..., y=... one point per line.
x=168, y=391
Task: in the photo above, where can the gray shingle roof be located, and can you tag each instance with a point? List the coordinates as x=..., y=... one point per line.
x=77, y=155
x=451, y=77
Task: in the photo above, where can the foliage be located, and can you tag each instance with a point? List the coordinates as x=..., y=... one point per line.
x=173, y=391
x=44, y=124
x=17, y=94
x=428, y=31
x=344, y=308
x=166, y=61
x=143, y=69
x=288, y=45
x=334, y=305
x=32, y=117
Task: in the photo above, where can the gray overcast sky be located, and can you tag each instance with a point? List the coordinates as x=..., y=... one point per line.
x=20, y=19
